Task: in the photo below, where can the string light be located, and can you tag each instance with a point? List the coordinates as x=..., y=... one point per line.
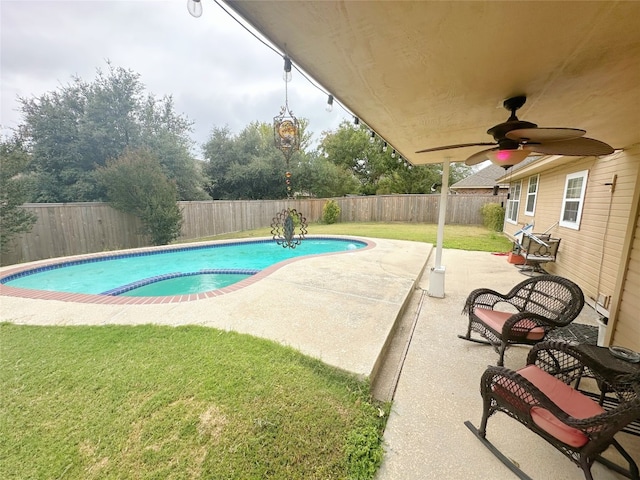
x=329, y=107
x=194, y=7
x=286, y=75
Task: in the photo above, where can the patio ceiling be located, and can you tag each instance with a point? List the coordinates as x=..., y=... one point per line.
x=425, y=74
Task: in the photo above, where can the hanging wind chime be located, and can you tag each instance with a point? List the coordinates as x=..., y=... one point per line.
x=288, y=226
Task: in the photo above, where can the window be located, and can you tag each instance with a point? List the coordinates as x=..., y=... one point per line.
x=573, y=200
x=532, y=193
x=513, y=204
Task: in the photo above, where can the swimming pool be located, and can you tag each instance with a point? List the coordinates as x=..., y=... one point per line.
x=178, y=273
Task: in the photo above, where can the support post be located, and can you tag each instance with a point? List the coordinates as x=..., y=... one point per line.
x=436, y=278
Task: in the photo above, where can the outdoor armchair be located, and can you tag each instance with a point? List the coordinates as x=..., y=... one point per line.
x=537, y=249
x=525, y=315
x=542, y=398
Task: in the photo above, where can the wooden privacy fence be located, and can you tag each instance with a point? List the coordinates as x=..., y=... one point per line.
x=75, y=228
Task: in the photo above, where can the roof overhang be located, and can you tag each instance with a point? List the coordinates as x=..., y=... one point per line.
x=424, y=74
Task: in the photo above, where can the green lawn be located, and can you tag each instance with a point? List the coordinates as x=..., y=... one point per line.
x=461, y=237
x=177, y=403
x=151, y=402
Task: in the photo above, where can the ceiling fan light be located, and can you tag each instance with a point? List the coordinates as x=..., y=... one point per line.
x=507, y=158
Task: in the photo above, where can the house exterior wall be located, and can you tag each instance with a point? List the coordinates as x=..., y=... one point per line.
x=624, y=324
x=593, y=255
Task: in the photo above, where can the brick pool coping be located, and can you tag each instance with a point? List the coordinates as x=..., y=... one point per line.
x=9, y=291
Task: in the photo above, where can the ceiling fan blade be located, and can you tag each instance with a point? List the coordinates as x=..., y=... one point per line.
x=479, y=157
x=541, y=135
x=578, y=147
x=449, y=147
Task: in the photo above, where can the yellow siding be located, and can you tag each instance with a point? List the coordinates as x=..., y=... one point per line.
x=627, y=325
x=592, y=255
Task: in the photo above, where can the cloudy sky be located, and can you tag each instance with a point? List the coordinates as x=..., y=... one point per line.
x=217, y=72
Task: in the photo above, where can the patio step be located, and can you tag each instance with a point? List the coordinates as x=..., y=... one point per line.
x=384, y=383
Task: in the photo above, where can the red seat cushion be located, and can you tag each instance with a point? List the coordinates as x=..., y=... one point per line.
x=567, y=399
x=496, y=319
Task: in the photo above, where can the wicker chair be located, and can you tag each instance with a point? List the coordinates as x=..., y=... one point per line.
x=540, y=396
x=541, y=304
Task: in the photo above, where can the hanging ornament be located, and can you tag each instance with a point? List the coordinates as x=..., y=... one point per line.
x=285, y=225
x=286, y=133
x=288, y=226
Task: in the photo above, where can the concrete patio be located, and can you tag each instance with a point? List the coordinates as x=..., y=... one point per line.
x=439, y=389
x=368, y=312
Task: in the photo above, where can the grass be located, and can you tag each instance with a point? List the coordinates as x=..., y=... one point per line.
x=461, y=237
x=152, y=402
x=176, y=403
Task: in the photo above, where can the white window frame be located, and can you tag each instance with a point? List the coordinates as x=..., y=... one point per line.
x=532, y=195
x=573, y=224
x=513, y=204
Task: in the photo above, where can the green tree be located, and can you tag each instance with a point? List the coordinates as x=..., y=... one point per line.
x=316, y=176
x=419, y=179
x=246, y=166
x=76, y=129
x=165, y=134
x=350, y=147
x=135, y=183
x=13, y=191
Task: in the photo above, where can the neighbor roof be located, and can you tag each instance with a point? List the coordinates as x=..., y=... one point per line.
x=485, y=178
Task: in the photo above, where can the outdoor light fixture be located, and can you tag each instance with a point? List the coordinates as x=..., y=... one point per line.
x=356, y=121
x=393, y=153
x=194, y=7
x=329, y=107
x=286, y=75
x=384, y=146
x=372, y=138
x=507, y=158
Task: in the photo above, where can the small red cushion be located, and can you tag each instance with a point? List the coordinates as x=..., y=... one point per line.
x=567, y=399
x=496, y=319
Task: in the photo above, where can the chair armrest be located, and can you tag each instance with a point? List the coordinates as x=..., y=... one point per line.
x=540, y=320
x=524, y=322
x=482, y=297
x=559, y=359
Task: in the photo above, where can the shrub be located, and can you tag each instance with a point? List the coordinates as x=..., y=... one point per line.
x=136, y=184
x=14, y=188
x=330, y=212
x=493, y=216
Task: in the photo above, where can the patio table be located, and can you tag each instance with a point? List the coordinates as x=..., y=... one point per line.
x=614, y=375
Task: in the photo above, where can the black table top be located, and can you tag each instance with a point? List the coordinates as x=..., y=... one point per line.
x=606, y=363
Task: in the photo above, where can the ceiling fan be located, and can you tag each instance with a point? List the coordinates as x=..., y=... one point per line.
x=516, y=139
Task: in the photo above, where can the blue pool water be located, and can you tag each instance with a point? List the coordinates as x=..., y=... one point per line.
x=175, y=271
